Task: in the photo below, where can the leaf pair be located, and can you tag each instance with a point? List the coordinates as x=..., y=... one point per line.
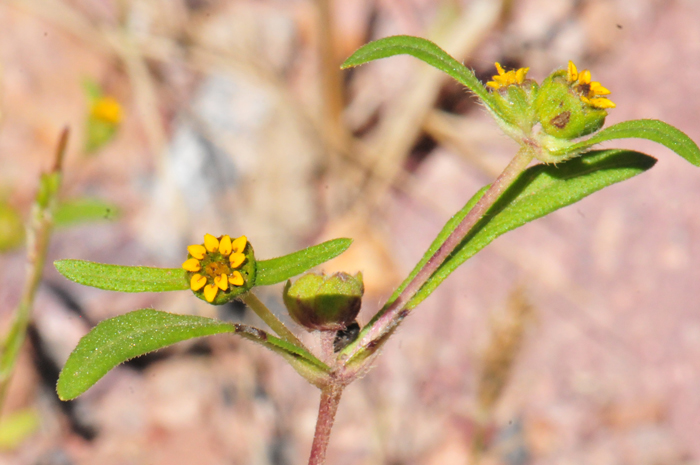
x=654, y=130
x=149, y=279
x=124, y=337
x=538, y=191
x=119, y=339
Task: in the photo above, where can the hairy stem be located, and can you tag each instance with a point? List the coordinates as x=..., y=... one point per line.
x=393, y=313
x=327, y=338
x=270, y=319
x=330, y=398
x=38, y=235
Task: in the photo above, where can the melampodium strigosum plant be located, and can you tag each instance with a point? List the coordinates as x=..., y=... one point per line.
x=556, y=122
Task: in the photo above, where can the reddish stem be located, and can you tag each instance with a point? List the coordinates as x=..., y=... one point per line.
x=330, y=398
x=394, y=312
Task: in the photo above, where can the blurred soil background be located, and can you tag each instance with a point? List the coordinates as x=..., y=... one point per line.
x=573, y=340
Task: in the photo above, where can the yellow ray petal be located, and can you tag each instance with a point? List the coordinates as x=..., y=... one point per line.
x=499, y=68
x=238, y=246
x=210, y=291
x=602, y=103
x=197, y=251
x=493, y=85
x=211, y=243
x=197, y=282
x=521, y=74
x=584, y=77
x=597, y=89
x=236, y=259
x=236, y=278
x=225, y=246
x=221, y=282
x=192, y=264
x=571, y=72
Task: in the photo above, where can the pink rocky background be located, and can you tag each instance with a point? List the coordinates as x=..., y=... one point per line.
x=609, y=368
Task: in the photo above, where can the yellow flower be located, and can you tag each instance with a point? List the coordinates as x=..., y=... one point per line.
x=504, y=79
x=107, y=109
x=590, y=91
x=215, y=264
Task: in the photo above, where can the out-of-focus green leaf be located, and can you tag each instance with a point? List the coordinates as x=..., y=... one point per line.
x=98, y=134
x=282, y=268
x=123, y=278
x=11, y=228
x=16, y=427
x=540, y=190
x=650, y=129
x=49, y=183
x=92, y=90
x=116, y=340
x=426, y=51
x=83, y=210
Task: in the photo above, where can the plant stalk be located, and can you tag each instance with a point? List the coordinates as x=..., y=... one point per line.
x=270, y=319
x=398, y=308
x=330, y=398
x=38, y=235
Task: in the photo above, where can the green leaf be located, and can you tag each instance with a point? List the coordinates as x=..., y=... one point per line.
x=83, y=210
x=123, y=278
x=11, y=227
x=147, y=279
x=450, y=226
x=650, y=129
x=98, y=134
x=280, y=269
x=16, y=427
x=92, y=90
x=427, y=51
x=49, y=183
x=540, y=190
x=116, y=340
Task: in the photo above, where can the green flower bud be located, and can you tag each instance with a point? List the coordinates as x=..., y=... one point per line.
x=570, y=105
x=220, y=269
x=324, y=303
x=514, y=94
x=561, y=111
